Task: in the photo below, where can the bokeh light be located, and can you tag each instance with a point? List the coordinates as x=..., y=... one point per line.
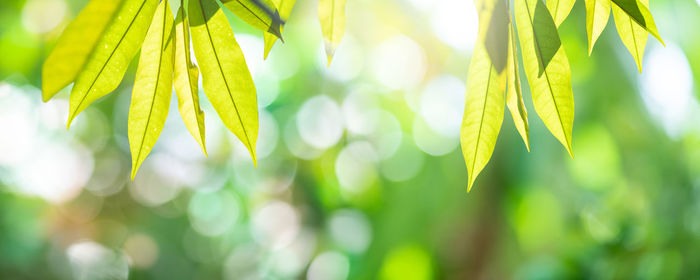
x=360, y=174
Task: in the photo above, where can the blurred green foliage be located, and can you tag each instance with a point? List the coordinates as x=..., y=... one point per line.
x=359, y=176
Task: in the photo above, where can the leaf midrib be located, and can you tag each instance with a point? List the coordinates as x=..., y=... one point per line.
x=155, y=90
x=544, y=69
x=87, y=92
x=254, y=14
x=188, y=63
x=221, y=71
x=481, y=121
x=636, y=48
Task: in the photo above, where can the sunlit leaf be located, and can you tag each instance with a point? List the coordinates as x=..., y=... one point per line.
x=284, y=7
x=633, y=35
x=560, y=9
x=545, y=40
x=186, y=83
x=107, y=64
x=514, y=97
x=256, y=16
x=597, y=15
x=497, y=35
x=75, y=45
x=484, y=106
x=331, y=13
x=225, y=76
x=638, y=11
x=150, y=97
x=550, y=85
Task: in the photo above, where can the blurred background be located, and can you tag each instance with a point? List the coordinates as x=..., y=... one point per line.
x=360, y=171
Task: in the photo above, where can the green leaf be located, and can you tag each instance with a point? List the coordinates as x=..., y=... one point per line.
x=225, y=76
x=638, y=11
x=597, y=16
x=633, y=35
x=560, y=9
x=284, y=7
x=550, y=85
x=514, y=96
x=153, y=86
x=251, y=13
x=186, y=80
x=484, y=106
x=116, y=48
x=546, y=40
x=75, y=45
x=497, y=35
x=331, y=13
x=483, y=114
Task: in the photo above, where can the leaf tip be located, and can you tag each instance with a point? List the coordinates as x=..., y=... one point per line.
x=204, y=149
x=330, y=51
x=45, y=95
x=570, y=150
x=70, y=121
x=133, y=173
x=329, y=58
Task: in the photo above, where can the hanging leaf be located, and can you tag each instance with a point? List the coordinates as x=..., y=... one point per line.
x=225, y=76
x=150, y=97
x=560, y=9
x=514, y=97
x=597, y=15
x=485, y=101
x=74, y=46
x=186, y=80
x=256, y=16
x=284, y=7
x=483, y=114
x=633, y=35
x=497, y=36
x=550, y=83
x=638, y=11
x=116, y=48
x=331, y=13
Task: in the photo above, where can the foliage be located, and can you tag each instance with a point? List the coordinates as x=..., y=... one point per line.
x=545, y=63
x=359, y=175
x=493, y=72
x=97, y=47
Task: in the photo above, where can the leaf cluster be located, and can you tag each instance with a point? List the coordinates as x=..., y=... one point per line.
x=94, y=51
x=494, y=79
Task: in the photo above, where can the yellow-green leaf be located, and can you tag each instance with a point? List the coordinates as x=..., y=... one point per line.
x=639, y=12
x=186, y=83
x=284, y=7
x=153, y=87
x=550, y=85
x=633, y=35
x=116, y=48
x=483, y=114
x=597, y=15
x=514, y=96
x=225, y=76
x=331, y=13
x=256, y=16
x=485, y=103
x=560, y=9
x=75, y=45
